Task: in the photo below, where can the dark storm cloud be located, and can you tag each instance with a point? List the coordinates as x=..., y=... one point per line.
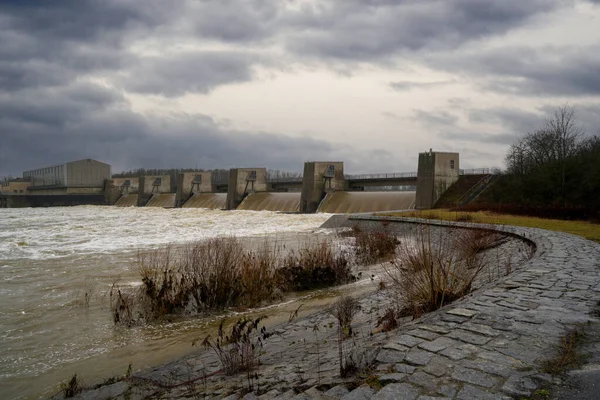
x=84, y=120
x=510, y=119
x=367, y=31
x=50, y=49
x=197, y=72
x=234, y=21
x=479, y=137
x=561, y=71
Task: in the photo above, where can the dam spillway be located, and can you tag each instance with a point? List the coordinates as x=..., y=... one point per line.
x=270, y=201
x=166, y=200
x=357, y=202
x=212, y=201
x=127, y=200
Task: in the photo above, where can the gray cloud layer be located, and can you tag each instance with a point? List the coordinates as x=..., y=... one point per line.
x=50, y=51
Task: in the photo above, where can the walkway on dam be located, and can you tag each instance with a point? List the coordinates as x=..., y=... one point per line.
x=488, y=345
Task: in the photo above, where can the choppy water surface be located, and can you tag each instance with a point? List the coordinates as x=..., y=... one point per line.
x=50, y=258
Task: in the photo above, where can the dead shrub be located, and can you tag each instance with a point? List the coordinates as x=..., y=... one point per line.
x=239, y=350
x=373, y=246
x=434, y=271
x=218, y=274
x=566, y=353
x=344, y=310
x=474, y=241
x=315, y=266
x=388, y=320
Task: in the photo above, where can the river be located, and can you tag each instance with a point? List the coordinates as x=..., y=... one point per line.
x=57, y=266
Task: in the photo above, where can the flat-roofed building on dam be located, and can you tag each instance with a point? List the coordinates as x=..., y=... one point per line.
x=82, y=176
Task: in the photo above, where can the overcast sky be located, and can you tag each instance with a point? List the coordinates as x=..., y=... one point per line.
x=209, y=84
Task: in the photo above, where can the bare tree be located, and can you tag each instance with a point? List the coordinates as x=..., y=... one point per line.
x=548, y=151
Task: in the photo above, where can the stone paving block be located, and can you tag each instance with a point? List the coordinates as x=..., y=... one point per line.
x=489, y=367
x=396, y=347
x=529, y=304
x=390, y=356
x=481, y=329
x=474, y=377
x=431, y=398
x=363, y=392
x=250, y=396
x=553, y=294
x=438, y=344
x=394, y=378
x=316, y=394
x=423, y=334
x=468, y=337
x=519, y=386
x=512, y=306
x=271, y=394
x=418, y=357
x=337, y=392
x=302, y=396
x=447, y=390
x=469, y=392
x=460, y=352
x=404, y=368
x=434, y=328
x=396, y=391
x=424, y=380
x=439, y=366
x=407, y=340
x=454, y=318
x=462, y=312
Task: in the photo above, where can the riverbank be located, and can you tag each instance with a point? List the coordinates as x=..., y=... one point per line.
x=490, y=344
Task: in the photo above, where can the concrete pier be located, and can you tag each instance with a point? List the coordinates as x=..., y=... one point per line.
x=191, y=183
x=320, y=178
x=437, y=171
x=150, y=185
x=243, y=181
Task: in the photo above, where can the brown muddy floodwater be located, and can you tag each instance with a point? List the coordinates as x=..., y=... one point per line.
x=56, y=269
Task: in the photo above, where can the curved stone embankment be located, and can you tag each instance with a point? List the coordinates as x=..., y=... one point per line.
x=488, y=345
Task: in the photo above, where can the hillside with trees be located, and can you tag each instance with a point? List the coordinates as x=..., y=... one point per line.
x=551, y=172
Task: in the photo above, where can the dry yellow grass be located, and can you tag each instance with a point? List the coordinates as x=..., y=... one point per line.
x=582, y=228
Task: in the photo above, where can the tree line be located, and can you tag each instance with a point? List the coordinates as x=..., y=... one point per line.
x=554, y=168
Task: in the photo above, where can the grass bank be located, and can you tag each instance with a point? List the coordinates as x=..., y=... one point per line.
x=585, y=229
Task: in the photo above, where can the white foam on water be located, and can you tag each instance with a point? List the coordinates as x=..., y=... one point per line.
x=51, y=257
x=41, y=233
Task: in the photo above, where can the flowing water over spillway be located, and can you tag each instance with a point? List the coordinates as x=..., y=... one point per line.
x=127, y=200
x=212, y=201
x=270, y=201
x=357, y=202
x=50, y=258
x=166, y=200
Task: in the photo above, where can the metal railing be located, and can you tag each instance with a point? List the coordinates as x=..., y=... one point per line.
x=383, y=175
x=285, y=179
x=390, y=175
x=475, y=171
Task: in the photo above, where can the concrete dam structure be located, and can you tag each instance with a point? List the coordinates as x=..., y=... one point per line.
x=323, y=188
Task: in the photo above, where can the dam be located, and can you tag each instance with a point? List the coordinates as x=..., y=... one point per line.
x=323, y=187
